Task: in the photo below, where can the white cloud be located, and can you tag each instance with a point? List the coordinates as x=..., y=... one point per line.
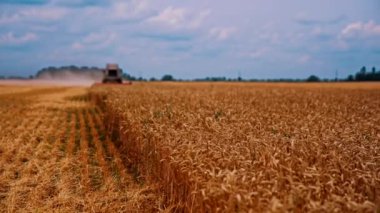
x=95, y=41
x=46, y=13
x=10, y=38
x=254, y=54
x=361, y=30
x=358, y=35
x=128, y=9
x=119, y=10
x=170, y=16
x=179, y=18
x=34, y=14
x=199, y=19
x=222, y=33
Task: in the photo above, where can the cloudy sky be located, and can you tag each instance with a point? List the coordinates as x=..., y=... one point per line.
x=192, y=39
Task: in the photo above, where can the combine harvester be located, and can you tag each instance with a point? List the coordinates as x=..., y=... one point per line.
x=113, y=74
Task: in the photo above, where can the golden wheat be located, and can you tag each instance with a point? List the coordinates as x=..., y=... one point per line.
x=52, y=156
x=217, y=147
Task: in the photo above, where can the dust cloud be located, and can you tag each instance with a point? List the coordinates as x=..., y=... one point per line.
x=37, y=82
x=61, y=78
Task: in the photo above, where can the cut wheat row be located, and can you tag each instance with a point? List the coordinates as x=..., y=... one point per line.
x=49, y=158
x=20, y=190
x=46, y=149
x=72, y=135
x=84, y=154
x=96, y=175
x=120, y=167
x=99, y=150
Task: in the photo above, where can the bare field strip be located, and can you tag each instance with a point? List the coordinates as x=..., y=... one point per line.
x=54, y=156
x=240, y=147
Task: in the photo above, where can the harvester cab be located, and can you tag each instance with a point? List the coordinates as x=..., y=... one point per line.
x=112, y=74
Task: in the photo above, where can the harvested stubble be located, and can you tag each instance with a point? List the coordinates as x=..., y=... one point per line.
x=48, y=159
x=260, y=147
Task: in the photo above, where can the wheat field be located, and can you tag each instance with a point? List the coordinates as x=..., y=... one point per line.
x=56, y=156
x=229, y=147
x=190, y=147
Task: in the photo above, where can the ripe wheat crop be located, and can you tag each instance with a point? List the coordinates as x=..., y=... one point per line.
x=250, y=147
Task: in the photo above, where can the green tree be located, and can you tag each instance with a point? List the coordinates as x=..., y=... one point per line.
x=313, y=78
x=363, y=69
x=167, y=78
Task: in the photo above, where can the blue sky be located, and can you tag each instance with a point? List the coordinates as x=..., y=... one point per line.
x=192, y=39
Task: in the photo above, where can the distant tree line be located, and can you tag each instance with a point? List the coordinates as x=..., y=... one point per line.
x=361, y=75
x=15, y=77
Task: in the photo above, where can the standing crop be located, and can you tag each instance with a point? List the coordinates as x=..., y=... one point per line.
x=243, y=147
